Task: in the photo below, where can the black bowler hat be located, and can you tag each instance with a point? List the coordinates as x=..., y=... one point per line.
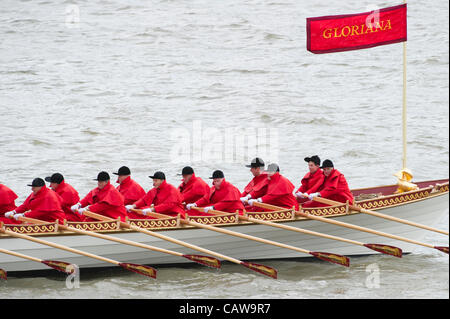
x=102, y=177
x=158, y=175
x=37, y=182
x=55, y=178
x=315, y=159
x=187, y=171
x=217, y=174
x=256, y=162
x=123, y=171
x=327, y=163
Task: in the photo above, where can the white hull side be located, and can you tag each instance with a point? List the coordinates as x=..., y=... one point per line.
x=427, y=212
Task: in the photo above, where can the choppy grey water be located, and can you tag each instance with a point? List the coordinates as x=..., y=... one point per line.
x=155, y=85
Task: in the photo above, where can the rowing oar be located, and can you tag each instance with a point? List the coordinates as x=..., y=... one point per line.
x=140, y=269
x=203, y=260
x=377, y=214
x=58, y=265
x=355, y=227
x=265, y=270
x=333, y=258
x=382, y=248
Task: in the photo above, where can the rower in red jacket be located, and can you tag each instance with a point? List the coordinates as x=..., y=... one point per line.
x=104, y=200
x=68, y=194
x=130, y=190
x=43, y=204
x=312, y=180
x=164, y=197
x=192, y=188
x=279, y=190
x=223, y=196
x=7, y=204
x=257, y=186
x=334, y=187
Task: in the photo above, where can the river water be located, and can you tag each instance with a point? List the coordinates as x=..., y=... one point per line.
x=87, y=86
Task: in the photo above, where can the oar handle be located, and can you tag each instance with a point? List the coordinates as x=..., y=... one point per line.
x=19, y=255
x=299, y=230
x=211, y=211
x=267, y=206
x=170, y=239
x=377, y=214
x=355, y=227
x=58, y=246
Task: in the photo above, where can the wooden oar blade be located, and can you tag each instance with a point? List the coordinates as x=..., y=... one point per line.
x=140, y=269
x=442, y=248
x=262, y=269
x=59, y=265
x=332, y=258
x=204, y=260
x=386, y=249
x=3, y=274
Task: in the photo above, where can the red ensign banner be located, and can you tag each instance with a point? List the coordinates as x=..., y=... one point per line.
x=356, y=31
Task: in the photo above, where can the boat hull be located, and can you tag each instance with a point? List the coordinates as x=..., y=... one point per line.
x=428, y=211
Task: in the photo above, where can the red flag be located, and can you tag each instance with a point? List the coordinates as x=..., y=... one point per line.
x=356, y=31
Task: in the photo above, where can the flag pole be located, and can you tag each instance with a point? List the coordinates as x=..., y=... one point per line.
x=404, y=102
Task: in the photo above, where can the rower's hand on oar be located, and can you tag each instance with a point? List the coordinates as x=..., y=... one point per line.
x=311, y=196
x=145, y=211
x=130, y=207
x=251, y=201
x=208, y=208
x=189, y=206
x=301, y=195
x=82, y=210
x=17, y=216
x=75, y=207
x=10, y=214
x=245, y=199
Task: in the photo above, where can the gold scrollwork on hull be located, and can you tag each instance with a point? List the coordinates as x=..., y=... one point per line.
x=442, y=188
x=155, y=223
x=395, y=199
x=274, y=215
x=327, y=211
x=95, y=226
x=214, y=220
x=33, y=229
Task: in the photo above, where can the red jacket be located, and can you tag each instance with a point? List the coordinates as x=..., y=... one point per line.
x=311, y=182
x=195, y=189
x=279, y=192
x=106, y=201
x=130, y=190
x=7, y=200
x=45, y=205
x=257, y=186
x=226, y=199
x=166, y=199
x=69, y=198
x=335, y=187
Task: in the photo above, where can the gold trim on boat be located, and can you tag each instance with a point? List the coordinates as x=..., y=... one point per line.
x=230, y=218
x=336, y=210
x=173, y=223
x=393, y=200
x=285, y=214
x=32, y=228
x=99, y=226
x=161, y=223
